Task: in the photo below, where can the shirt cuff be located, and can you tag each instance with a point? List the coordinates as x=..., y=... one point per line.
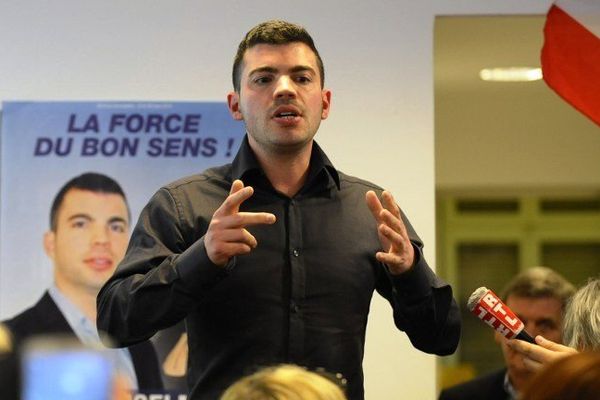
x=197, y=272
x=414, y=284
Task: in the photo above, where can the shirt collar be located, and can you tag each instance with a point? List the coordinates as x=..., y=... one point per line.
x=84, y=329
x=246, y=164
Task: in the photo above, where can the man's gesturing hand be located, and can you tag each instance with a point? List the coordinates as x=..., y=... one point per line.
x=227, y=235
x=398, y=253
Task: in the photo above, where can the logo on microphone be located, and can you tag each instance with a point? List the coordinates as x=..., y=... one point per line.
x=491, y=310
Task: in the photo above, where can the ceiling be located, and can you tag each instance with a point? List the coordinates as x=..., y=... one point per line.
x=465, y=45
x=499, y=134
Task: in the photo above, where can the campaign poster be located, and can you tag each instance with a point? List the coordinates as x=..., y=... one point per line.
x=142, y=145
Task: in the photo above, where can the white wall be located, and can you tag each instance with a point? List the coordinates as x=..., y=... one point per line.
x=378, y=58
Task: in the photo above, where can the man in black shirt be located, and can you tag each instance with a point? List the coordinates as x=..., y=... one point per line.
x=274, y=258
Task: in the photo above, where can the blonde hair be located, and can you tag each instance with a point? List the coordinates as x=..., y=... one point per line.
x=285, y=382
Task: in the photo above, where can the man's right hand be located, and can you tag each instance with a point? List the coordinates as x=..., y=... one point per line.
x=227, y=236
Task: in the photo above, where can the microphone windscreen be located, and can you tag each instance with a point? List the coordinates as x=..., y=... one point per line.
x=475, y=297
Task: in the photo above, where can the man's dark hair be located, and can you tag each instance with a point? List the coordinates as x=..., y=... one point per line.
x=90, y=181
x=275, y=32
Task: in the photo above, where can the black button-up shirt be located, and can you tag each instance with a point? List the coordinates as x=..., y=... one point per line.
x=302, y=296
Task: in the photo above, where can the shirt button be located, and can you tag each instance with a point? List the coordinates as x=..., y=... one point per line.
x=295, y=252
x=294, y=308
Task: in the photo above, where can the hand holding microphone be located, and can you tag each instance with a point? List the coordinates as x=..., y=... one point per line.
x=488, y=307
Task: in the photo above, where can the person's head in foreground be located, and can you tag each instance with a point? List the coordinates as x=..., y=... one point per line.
x=576, y=377
x=9, y=367
x=285, y=382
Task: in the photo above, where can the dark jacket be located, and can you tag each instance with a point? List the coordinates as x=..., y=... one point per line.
x=46, y=318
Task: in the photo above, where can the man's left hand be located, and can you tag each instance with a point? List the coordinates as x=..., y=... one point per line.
x=398, y=253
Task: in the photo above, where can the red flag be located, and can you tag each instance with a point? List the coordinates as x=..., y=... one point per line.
x=571, y=54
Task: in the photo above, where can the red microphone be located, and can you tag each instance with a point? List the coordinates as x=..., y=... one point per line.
x=490, y=309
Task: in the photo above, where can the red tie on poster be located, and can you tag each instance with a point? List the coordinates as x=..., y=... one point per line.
x=571, y=54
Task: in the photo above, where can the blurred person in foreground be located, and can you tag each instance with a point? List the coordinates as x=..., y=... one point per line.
x=275, y=257
x=538, y=296
x=60, y=367
x=581, y=330
x=285, y=382
x=573, y=377
x=88, y=236
x=9, y=367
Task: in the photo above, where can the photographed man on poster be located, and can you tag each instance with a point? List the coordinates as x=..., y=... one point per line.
x=88, y=236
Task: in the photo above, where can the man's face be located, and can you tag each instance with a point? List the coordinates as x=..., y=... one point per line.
x=90, y=239
x=541, y=316
x=280, y=100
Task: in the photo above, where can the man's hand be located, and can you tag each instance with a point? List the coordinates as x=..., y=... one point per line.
x=398, y=252
x=227, y=236
x=535, y=357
